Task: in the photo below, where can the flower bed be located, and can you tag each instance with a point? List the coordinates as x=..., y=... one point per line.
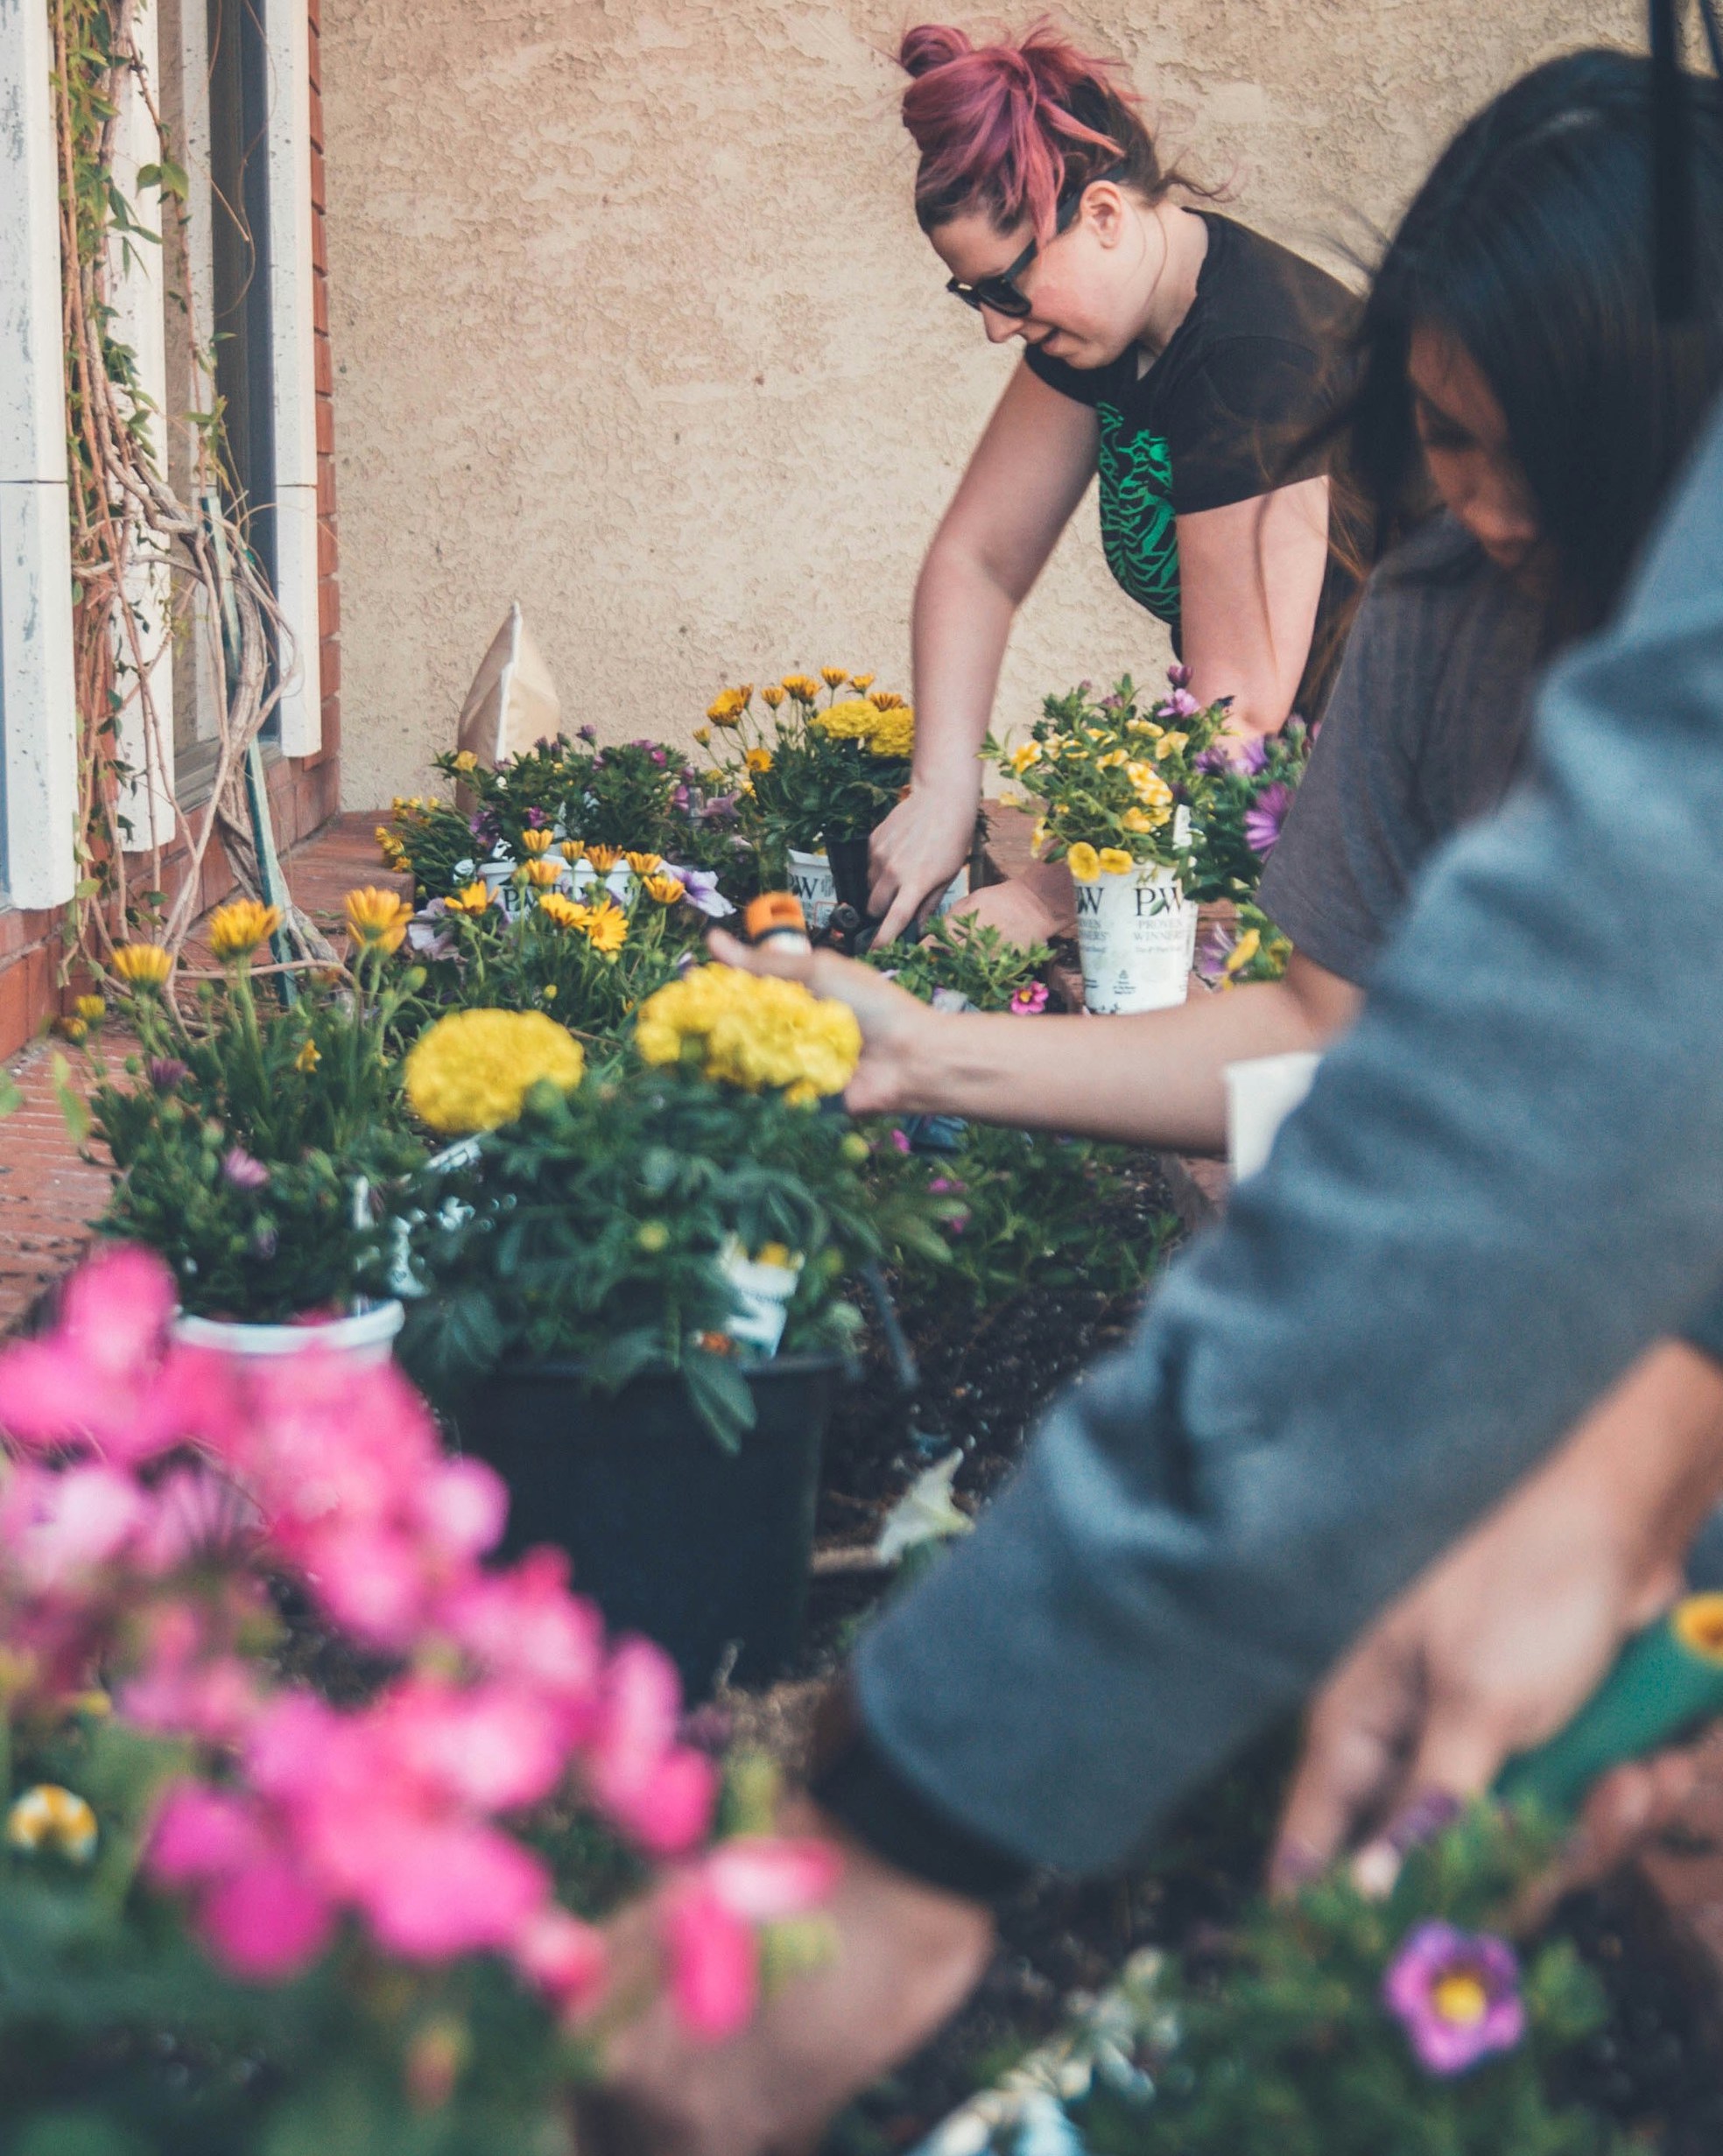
x=601, y=1174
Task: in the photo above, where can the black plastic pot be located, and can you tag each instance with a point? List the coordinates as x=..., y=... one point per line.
x=848, y=857
x=703, y=1550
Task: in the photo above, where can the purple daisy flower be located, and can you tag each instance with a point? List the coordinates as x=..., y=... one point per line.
x=1253, y=755
x=1031, y=999
x=1180, y=704
x=243, y=1170
x=167, y=1073
x=588, y=732
x=1263, y=819
x=1179, y=676
x=1457, y=1994
x=1212, y=953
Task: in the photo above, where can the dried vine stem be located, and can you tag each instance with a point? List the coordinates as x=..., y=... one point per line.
x=128, y=525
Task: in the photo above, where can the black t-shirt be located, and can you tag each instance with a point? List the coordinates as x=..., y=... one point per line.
x=1424, y=733
x=1222, y=415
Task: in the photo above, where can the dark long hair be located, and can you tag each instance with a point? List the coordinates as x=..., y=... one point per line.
x=1530, y=243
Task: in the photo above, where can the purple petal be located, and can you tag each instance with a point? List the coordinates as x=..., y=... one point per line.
x=243, y=1172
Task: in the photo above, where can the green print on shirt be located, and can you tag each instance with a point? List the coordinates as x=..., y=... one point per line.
x=1139, y=534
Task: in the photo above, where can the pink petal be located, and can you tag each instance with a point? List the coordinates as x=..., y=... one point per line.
x=201, y=1834
x=763, y=1878
x=669, y=1807
x=267, y=1922
x=641, y=1710
x=464, y=1506
x=714, y=1964
x=562, y=1957
x=435, y=1892
x=115, y=1309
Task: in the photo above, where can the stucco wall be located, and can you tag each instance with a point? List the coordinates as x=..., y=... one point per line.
x=632, y=322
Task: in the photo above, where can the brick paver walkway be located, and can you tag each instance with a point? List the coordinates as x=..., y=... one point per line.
x=48, y=1196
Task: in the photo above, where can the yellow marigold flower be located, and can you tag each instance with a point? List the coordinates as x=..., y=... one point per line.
x=564, y=911
x=605, y=928
x=834, y=676
x=886, y=699
x=803, y=688
x=470, y=898
x=308, y=1058
x=543, y=875
x=895, y=734
x=376, y=920
x=1112, y=760
x=666, y=890
x=644, y=864
x=473, y=1070
x=1023, y=757
x=852, y=721
x=727, y=707
x=48, y=1818
x=758, y=759
x=236, y=929
x=1083, y=861
x=91, y=1009
x=1114, y=861
x=142, y=966
x=863, y=682
x=535, y=842
x=752, y=1032
x=466, y=761
x=603, y=858
x=771, y=697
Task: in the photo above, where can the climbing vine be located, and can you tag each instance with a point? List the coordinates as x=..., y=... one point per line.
x=146, y=565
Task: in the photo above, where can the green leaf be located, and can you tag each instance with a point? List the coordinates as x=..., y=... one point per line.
x=722, y=1395
x=75, y=1110
x=12, y=1098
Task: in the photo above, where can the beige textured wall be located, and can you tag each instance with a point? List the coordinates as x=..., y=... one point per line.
x=632, y=322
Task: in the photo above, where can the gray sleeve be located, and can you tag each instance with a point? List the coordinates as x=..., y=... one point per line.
x=1507, y=1181
x=1338, y=877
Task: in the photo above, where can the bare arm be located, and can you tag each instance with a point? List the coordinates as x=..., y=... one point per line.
x=1250, y=578
x=1152, y=1079
x=1027, y=475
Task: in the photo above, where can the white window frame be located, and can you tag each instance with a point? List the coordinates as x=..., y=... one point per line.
x=293, y=356
x=37, y=693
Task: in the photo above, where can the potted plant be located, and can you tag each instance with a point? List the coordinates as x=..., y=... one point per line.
x=644, y=1264
x=1126, y=797
x=1253, y=786
x=818, y=777
x=259, y=1146
x=582, y=932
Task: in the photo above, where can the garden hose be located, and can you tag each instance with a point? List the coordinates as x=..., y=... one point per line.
x=1668, y=1680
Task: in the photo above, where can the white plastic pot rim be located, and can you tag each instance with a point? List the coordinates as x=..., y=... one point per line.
x=373, y=1329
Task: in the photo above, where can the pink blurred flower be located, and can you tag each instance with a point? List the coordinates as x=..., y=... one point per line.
x=563, y=1958
x=448, y=1887
x=244, y=1171
x=523, y=1623
x=659, y=1793
x=715, y=1961
x=266, y=1922
x=59, y=1528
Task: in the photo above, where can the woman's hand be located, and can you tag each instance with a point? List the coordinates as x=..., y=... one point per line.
x=916, y=852
x=1506, y=1637
x=894, y=1023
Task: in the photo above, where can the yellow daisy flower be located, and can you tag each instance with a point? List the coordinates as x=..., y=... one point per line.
x=564, y=911
x=758, y=759
x=644, y=864
x=802, y=688
x=603, y=858
x=666, y=890
x=142, y=966
x=466, y=761
x=308, y=1058
x=605, y=928
x=535, y=842
x=863, y=682
x=543, y=875
x=471, y=898
x=236, y=929
x=771, y=697
x=834, y=676
x=376, y=920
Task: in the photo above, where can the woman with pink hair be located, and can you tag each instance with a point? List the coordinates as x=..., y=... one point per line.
x=1184, y=357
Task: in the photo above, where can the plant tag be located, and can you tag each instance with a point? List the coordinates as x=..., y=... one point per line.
x=1181, y=825
x=811, y=880
x=765, y=1287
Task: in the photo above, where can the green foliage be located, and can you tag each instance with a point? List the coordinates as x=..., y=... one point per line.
x=962, y=957
x=1290, y=2050
x=1035, y=1213
x=593, y=1230
x=1109, y=775
x=261, y=1149
x=1230, y=868
x=1253, y=949
x=820, y=789
x=487, y=961
x=618, y=795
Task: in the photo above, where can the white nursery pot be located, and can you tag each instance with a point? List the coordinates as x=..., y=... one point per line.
x=1261, y=1093
x=619, y=882
x=1138, y=934
x=365, y=1339
x=811, y=881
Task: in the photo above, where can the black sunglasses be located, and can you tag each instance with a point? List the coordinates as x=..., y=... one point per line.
x=1000, y=291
